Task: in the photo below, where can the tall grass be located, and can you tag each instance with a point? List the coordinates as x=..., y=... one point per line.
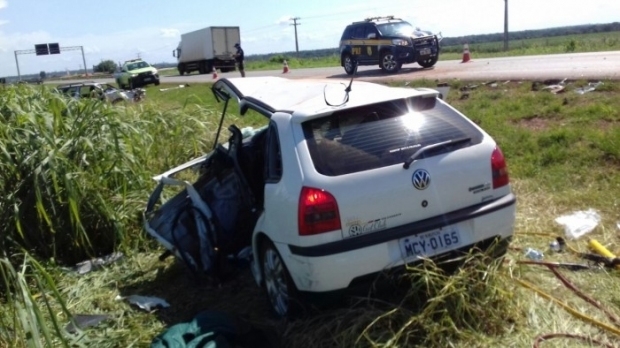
x=75, y=173
x=435, y=307
x=74, y=176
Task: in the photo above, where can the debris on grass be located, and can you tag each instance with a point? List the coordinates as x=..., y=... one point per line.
x=468, y=88
x=145, y=302
x=555, y=89
x=96, y=263
x=83, y=321
x=171, y=88
x=216, y=329
x=555, y=246
x=534, y=254
x=579, y=223
x=592, y=86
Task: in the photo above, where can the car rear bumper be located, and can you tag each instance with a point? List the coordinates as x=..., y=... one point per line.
x=335, y=265
x=361, y=285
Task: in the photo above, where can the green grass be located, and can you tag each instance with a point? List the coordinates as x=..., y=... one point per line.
x=596, y=42
x=69, y=168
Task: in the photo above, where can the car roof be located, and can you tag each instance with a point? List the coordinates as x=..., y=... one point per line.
x=77, y=84
x=379, y=20
x=306, y=97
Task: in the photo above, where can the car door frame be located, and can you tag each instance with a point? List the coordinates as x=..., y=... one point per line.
x=371, y=43
x=358, y=43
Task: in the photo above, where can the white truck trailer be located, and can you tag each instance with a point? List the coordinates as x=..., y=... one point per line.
x=207, y=48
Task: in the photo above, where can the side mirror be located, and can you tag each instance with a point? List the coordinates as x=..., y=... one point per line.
x=243, y=109
x=372, y=36
x=174, y=53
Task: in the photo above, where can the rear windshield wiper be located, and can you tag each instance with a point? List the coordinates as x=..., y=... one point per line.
x=423, y=149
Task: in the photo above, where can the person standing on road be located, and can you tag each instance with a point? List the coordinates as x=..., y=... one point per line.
x=239, y=58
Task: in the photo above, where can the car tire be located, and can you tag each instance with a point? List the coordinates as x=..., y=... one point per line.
x=156, y=82
x=348, y=63
x=427, y=63
x=388, y=63
x=281, y=292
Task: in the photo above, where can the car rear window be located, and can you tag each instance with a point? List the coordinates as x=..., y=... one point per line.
x=384, y=134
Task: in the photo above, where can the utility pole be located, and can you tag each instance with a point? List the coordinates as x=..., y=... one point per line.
x=19, y=76
x=505, y=25
x=295, y=19
x=84, y=60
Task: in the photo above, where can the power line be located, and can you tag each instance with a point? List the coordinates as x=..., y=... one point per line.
x=261, y=28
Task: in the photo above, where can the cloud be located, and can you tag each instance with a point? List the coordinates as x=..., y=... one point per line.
x=284, y=20
x=3, y=4
x=169, y=32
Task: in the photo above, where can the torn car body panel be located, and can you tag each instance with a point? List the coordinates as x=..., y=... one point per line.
x=210, y=218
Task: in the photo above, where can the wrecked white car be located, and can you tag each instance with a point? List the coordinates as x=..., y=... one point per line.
x=102, y=91
x=329, y=193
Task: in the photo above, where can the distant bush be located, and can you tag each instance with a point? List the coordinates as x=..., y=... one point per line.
x=106, y=66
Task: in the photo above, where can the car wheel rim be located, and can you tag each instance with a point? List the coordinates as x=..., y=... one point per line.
x=348, y=64
x=275, y=282
x=389, y=63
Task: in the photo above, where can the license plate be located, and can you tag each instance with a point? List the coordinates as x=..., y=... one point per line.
x=430, y=243
x=147, y=79
x=425, y=51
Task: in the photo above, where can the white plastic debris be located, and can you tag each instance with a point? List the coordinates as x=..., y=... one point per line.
x=534, y=254
x=145, y=302
x=589, y=88
x=579, y=223
x=171, y=88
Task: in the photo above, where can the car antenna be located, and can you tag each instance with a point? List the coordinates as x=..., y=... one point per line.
x=346, y=90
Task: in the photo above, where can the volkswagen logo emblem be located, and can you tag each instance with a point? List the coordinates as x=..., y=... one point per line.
x=421, y=179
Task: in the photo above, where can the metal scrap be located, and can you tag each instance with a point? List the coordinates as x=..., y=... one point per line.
x=96, y=263
x=556, y=88
x=83, y=321
x=145, y=302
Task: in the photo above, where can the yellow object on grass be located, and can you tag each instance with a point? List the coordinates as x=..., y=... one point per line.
x=601, y=250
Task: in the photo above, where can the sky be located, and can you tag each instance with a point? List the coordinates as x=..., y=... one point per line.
x=150, y=29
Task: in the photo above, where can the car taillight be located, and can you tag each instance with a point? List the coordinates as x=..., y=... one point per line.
x=318, y=212
x=499, y=169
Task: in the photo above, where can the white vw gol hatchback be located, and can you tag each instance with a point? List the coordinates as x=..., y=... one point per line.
x=345, y=190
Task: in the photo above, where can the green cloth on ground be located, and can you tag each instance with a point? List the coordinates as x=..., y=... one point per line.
x=213, y=329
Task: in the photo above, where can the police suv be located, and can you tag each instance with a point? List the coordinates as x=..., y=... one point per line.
x=389, y=42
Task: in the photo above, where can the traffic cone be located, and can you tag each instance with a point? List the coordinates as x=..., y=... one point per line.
x=285, y=67
x=466, y=57
x=214, y=73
